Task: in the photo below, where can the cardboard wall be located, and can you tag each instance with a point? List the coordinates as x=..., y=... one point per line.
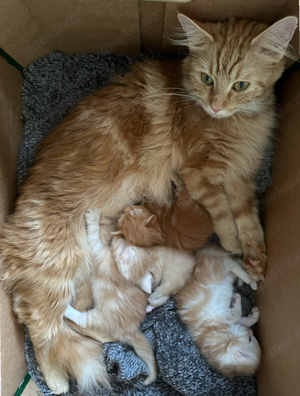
x=12, y=364
x=278, y=298
x=33, y=28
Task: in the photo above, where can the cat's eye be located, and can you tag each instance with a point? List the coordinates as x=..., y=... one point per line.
x=240, y=86
x=207, y=79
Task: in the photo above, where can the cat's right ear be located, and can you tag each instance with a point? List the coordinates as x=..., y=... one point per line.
x=196, y=36
x=151, y=221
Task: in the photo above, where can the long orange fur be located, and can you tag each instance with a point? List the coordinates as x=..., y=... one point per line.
x=122, y=145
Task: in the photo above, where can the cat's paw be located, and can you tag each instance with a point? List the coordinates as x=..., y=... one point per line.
x=92, y=216
x=149, y=308
x=58, y=384
x=255, y=259
x=254, y=314
x=231, y=243
x=236, y=300
x=157, y=302
x=254, y=250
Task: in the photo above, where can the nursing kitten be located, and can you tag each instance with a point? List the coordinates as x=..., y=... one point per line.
x=207, y=117
x=212, y=312
x=184, y=225
x=119, y=304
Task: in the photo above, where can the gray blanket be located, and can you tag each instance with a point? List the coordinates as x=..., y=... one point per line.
x=53, y=85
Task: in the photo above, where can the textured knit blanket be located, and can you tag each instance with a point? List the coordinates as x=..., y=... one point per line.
x=53, y=85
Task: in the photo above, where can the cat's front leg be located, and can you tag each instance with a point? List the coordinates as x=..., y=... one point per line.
x=213, y=198
x=241, y=195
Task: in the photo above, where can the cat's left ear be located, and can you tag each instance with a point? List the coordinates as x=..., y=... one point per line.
x=273, y=41
x=196, y=36
x=151, y=221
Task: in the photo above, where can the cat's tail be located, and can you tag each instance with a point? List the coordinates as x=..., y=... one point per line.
x=80, y=357
x=144, y=351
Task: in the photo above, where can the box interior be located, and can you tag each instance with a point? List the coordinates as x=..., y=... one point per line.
x=31, y=29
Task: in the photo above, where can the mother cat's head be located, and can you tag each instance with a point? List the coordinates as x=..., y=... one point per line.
x=233, y=64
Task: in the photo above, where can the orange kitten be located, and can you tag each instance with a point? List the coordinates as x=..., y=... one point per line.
x=120, y=304
x=212, y=312
x=185, y=225
x=207, y=117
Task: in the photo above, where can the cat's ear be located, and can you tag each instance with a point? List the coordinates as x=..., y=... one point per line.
x=196, y=36
x=151, y=221
x=242, y=355
x=274, y=41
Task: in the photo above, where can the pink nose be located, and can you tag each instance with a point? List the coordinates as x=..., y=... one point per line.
x=215, y=110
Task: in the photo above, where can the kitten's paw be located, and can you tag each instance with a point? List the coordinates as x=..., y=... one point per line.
x=149, y=308
x=254, y=313
x=231, y=244
x=58, y=384
x=236, y=299
x=156, y=303
x=92, y=216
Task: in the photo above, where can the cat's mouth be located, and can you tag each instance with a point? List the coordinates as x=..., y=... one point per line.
x=219, y=114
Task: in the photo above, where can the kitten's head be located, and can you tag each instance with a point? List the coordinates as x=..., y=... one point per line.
x=233, y=350
x=232, y=65
x=140, y=227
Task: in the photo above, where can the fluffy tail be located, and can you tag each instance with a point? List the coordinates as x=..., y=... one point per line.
x=144, y=351
x=80, y=357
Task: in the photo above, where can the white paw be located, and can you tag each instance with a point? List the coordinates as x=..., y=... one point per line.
x=254, y=313
x=58, y=385
x=149, y=308
x=92, y=216
x=253, y=285
x=158, y=302
x=236, y=299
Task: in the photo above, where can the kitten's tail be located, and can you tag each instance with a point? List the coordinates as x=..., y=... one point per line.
x=80, y=357
x=144, y=351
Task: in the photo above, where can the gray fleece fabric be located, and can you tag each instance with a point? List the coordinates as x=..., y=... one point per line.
x=52, y=86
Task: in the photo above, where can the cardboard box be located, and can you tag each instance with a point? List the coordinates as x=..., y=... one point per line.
x=30, y=29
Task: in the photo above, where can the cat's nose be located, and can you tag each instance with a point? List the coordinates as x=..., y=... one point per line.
x=215, y=110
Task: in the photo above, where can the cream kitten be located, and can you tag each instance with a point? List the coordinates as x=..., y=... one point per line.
x=212, y=312
x=119, y=304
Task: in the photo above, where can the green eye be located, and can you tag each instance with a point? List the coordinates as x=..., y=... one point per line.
x=240, y=86
x=207, y=79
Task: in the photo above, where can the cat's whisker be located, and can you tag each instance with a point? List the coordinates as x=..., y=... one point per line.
x=170, y=94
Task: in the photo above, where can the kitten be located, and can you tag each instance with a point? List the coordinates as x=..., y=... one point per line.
x=212, y=312
x=185, y=225
x=207, y=117
x=119, y=303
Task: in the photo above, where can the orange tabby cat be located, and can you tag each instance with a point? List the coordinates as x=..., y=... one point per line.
x=185, y=225
x=100, y=157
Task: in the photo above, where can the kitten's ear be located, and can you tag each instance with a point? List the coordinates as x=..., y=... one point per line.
x=150, y=221
x=242, y=355
x=273, y=41
x=196, y=36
